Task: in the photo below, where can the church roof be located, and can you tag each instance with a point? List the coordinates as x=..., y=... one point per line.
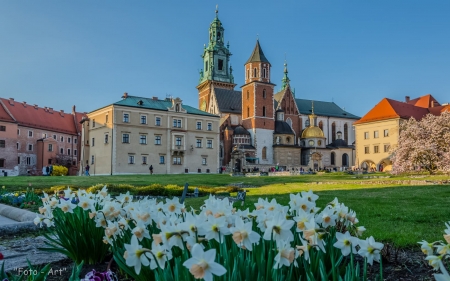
x=281, y=127
x=337, y=143
x=156, y=104
x=229, y=101
x=323, y=108
x=239, y=130
x=425, y=101
x=257, y=54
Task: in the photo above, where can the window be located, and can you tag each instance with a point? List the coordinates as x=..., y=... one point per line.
x=17, y=146
x=126, y=118
x=106, y=138
x=54, y=137
x=248, y=73
x=199, y=125
x=143, y=139
x=61, y=150
x=158, y=140
x=177, y=160
x=75, y=141
x=206, y=65
x=254, y=72
x=161, y=159
x=366, y=150
x=74, y=152
x=264, y=153
x=2, y=163
x=143, y=119
x=209, y=144
x=203, y=161
x=157, y=121
x=50, y=147
x=3, y=128
x=2, y=143
x=61, y=139
x=346, y=132
x=177, y=107
x=18, y=132
x=93, y=123
x=333, y=157
x=387, y=147
x=30, y=147
x=177, y=123
x=264, y=93
x=106, y=118
x=264, y=111
x=93, y=142
x=144, y=160
x=333, y=131
x=28, y=160
x=92, y=159
x=220, y=65
x=375, y=134
x=30, y=133
x=69, y=140
x=248, y=95
x=130, y=159
x=375, y=149
x=126, y=138
x=68, y=151
x=178, y=141
x=264, y=73
x=209, y=127
x=44, y=136
x=386, y=133
x=199, y=143
x=366, y=135
x=248, y=111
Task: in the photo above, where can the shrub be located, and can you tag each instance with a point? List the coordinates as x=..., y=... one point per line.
x=59, y=171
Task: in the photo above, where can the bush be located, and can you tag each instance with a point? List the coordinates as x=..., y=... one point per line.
x=59, y=171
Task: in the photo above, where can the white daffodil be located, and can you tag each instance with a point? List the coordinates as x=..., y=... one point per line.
x=304, y=249
x=140, y=231
x=124, y=198
x=134, y=255
x=86, y=203
x=173, y=206
x=202, y=264
x=326, y=218
x=66, y=206
x=286, y=255
x=191, y=224
x=360, y=230
x=427, y=248
x=243, y=235
x=160, y=255
x=215, y=228
x=370, y=249
x=301, y=218
x=279, y=228
x=346, y=243
x=435, y=261
x=309, y=195
x=442, y=277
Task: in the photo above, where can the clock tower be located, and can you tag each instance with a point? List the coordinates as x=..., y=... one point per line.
x=217, y=71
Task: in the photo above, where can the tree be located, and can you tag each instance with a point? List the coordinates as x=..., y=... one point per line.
x=423, y=144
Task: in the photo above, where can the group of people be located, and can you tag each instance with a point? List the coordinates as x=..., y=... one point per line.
x=47, y=170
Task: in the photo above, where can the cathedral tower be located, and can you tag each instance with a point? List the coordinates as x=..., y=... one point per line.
x=217, y=72
x=258, y=104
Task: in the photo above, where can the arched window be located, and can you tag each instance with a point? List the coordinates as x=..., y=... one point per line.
x=248, y=73
x=333, y=131
x=346, y=133
x=218, y=36
x=344, y=160
x=321, y=125
x=288, y=140
x=264, y=72
x=248, y=111
x=264, y=153
x=264, y=111
x=254, y=72
x=333, y=161
x=264, y=93
x=248, y=95
x=206, y=65
x=306, y=123
x=177, y=108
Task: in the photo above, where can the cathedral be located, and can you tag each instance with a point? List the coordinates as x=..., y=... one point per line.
x=260, y=127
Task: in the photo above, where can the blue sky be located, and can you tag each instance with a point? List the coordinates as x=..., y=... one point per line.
x=88, y=53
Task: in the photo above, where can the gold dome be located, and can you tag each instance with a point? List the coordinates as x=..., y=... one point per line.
x=312, y=132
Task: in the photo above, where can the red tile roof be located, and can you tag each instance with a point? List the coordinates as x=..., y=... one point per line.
x=42, y=118
x=4, y=116
x=389, y=109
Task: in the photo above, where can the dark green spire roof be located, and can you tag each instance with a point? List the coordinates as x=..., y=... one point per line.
x=285, y=81
x=257, y=55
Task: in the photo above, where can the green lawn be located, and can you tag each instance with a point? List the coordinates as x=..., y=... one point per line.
x=390, y=212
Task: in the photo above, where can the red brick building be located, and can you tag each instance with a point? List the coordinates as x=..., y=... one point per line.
x=32, y=137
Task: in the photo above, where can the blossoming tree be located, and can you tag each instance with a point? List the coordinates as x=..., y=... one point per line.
x=423, y=144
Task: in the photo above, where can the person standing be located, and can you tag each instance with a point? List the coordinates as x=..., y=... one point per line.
x=87, y=170
x=151, y=169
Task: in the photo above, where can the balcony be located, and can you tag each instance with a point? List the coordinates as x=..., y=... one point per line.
x=178, y=149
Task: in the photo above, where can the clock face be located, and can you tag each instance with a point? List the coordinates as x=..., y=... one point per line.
x=203, y=107
x=311, y=143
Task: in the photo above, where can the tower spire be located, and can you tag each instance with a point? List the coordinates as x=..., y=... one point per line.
x=217, y=10
x=312, y=116
x=285, y=81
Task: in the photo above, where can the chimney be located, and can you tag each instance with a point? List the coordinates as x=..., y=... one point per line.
x=50, y=109
x=61, y=112
x=125, y=95
x=24, y=104
x=154, y=98
x=432, y=103
x=407, y=99
x=73, y=109
x=11, y=101
x=35, y=106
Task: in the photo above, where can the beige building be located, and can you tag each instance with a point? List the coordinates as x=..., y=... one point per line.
x=129, y=136
x=378, y=130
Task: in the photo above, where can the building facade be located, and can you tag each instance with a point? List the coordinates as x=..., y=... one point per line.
x=32, y=137
x=129, y=136
x=264, y=124
x=378, y=131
